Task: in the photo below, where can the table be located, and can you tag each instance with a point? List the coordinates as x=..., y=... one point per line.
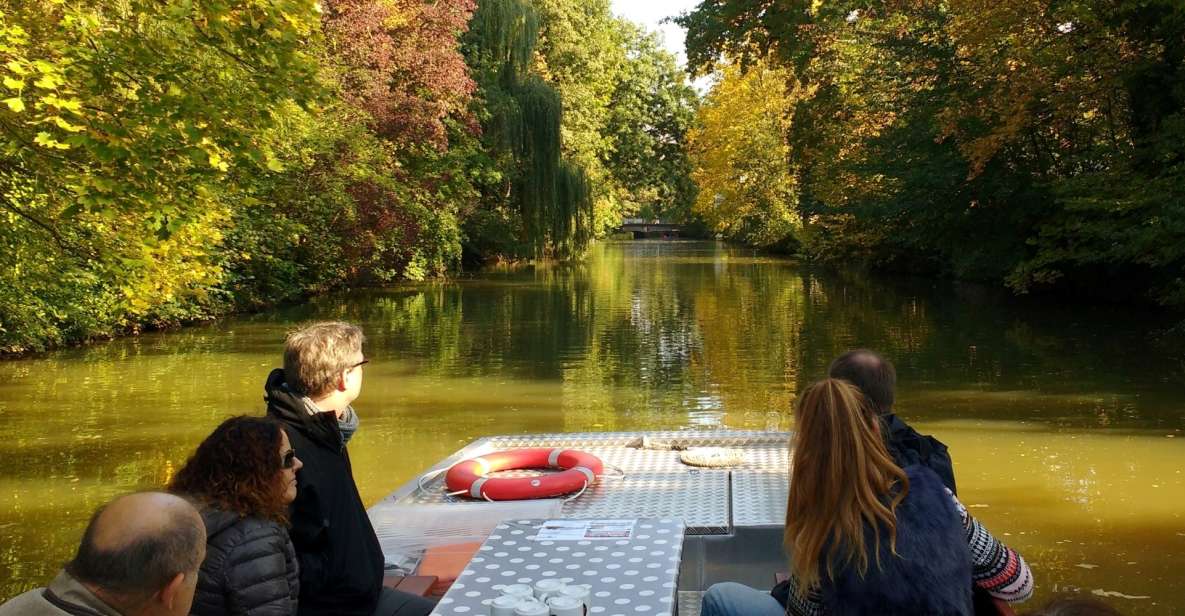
x=628, y=577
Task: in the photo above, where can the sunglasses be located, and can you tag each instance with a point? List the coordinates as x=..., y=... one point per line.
x=288, y=460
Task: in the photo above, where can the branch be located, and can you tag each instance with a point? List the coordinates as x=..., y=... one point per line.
x=48, y=228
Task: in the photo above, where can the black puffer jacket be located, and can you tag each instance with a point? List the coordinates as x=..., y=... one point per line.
x=341, y=562
x=250, y=568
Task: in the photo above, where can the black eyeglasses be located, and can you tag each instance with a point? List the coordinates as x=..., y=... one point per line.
x=288, y=460
x=361, y=363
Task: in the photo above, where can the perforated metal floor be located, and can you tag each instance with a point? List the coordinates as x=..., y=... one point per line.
x=653, y=482
x=759, y=497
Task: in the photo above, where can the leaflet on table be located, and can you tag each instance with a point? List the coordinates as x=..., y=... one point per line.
x=583, y=530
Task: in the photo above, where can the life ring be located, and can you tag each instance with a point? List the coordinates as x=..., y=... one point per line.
x=578, y=470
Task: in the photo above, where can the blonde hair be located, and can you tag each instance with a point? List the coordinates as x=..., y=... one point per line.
x=315, y=355
x=842, y=482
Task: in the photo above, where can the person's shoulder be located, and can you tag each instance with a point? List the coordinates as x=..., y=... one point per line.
x=919, y=473
x=254, y=527
x=256, y=537
x=31, y=603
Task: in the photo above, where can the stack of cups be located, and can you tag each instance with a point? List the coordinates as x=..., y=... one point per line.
x=565, y=606
x=549, y=597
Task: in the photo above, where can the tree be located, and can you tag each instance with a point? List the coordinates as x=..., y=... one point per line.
x=650, y=112
x=118, y=128
x=1049, y=131
x=739, y=152
x=535, y=199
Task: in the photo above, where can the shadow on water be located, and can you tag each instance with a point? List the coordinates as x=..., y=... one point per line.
x=1061, y=418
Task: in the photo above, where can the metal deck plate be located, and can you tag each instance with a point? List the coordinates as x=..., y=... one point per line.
x=681, y=438
x=759, y=497
x=689, y=602
x=698, y=497
x=655, y=482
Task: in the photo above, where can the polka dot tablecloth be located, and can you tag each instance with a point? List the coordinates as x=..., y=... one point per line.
x=628, y=577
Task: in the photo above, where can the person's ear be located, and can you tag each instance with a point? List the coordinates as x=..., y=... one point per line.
x=341, y=379
x=172, y=593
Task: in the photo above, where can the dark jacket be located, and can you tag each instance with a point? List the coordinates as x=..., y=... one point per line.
x=341, y=563
x=250, y=568
x=931, y=573
x=908, y=447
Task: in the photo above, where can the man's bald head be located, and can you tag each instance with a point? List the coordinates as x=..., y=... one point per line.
x=873, y=374
x=136, y=544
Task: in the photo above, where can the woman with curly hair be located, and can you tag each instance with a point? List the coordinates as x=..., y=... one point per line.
x=243, y=476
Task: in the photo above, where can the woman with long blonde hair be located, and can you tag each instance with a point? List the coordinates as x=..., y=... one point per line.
x=866, y=536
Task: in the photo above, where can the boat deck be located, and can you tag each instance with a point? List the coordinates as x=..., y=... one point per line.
x=653, y=482
x=732, y=517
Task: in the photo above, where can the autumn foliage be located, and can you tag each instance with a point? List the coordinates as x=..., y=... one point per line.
x=399, y=63
x=164, y=161
x=1032, y=142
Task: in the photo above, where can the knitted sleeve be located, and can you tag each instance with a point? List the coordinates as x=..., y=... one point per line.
x=995, y=567
x=810, y=604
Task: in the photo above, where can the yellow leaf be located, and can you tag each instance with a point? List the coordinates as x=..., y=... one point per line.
x=17, y=68
x=70, y=104
x=15, y=104
x=13, y=84
x=217, y=162
x=44, y=139
x=66, y=126
x=47, y=82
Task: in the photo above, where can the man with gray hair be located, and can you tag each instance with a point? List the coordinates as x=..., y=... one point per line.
x=341, y=562
x=139, y=556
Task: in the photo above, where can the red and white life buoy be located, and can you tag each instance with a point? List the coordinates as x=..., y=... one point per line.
x=578, y=469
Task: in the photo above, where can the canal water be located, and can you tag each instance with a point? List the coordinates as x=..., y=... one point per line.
x=1065, y=423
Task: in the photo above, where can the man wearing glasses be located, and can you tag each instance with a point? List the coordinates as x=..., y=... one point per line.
x=341, y=563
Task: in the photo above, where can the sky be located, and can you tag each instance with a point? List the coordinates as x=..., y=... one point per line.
x=649, y=13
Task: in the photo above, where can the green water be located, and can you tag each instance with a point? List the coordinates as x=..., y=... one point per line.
x=1065, y=424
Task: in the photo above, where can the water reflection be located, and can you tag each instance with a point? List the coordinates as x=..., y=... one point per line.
x=1064, y=423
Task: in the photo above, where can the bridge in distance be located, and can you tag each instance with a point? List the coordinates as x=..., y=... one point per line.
x=651, y=228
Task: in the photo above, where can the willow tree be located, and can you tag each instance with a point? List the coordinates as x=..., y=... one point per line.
x=545, y=198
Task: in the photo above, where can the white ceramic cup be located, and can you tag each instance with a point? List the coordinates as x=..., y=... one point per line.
x=530, y=607
x=518, y=590
x=565, y=606
x=580, y=592
x=504, y=605
x=548, y=587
